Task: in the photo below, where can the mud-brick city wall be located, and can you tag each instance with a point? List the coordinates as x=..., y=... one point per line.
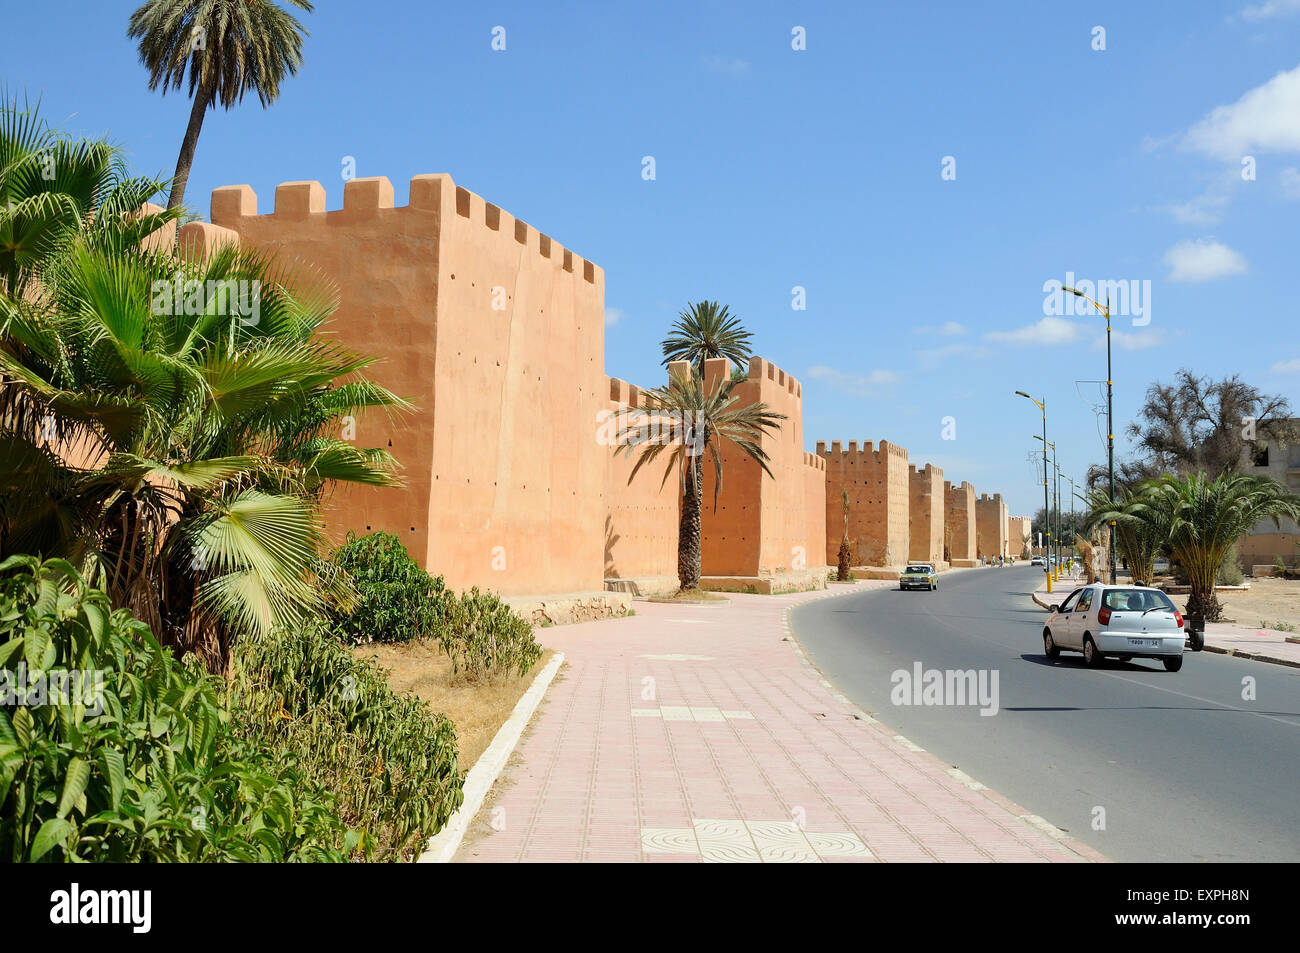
x=959, y=516
x=879, y=501
x=496, y=334
x=926, y=514
x=762, y=523
x=642, y=513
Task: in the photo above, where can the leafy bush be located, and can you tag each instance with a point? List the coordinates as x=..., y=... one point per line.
x=485, y=637
x=396, y=600
x=1229, y=573
x=390, y=761
x=140, y=766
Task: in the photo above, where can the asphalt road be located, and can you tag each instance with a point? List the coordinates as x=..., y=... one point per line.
x=1184, y=769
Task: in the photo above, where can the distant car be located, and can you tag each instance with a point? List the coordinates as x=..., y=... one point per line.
x=1038, y=561
x=919, y=576
x=1125, y=622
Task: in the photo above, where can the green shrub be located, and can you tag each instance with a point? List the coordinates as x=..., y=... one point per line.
x=486, y=638
x=142, y=765
x=1229, y=573
x=389, y=760
x=396, y=600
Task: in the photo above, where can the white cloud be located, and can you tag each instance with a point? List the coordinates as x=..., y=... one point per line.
x=1203, y=259
x=949, y=329
x=1291, y=183
x=872, y=384
x=1266, y=118
x=613, y=316
x=1269, y=9
x=1287, y=367
x=1048, y=331
x=1132, y=340
x=722, y=64
x=1203, y=209
x=932, y=358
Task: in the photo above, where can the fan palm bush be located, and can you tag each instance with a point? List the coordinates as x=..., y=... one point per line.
x=684, y=422
x=170, y=427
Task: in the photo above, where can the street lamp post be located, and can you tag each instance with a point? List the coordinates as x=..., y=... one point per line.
x=1042, y=405
x=1110, y=421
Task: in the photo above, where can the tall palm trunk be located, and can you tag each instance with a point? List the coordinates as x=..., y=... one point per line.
x=688, y=548
x=189, y=144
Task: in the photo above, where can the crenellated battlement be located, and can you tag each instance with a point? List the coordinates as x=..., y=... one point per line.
x=373, y=197
x=868, y=449
x=760, y=368
x=995, y=498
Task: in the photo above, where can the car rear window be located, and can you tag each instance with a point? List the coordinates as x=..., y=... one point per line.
x=1136, y=600
x=918, y=569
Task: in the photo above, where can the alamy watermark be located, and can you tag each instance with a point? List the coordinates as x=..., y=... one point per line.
x=632, y=427
x=236, y=297
x=1131, y=298
x=34, y=688
x=945, y=687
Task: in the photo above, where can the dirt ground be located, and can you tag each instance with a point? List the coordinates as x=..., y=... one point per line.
x=1267, y=602
x=476, y=709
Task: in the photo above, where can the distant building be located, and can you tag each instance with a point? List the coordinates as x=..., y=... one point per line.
x=1281, y=461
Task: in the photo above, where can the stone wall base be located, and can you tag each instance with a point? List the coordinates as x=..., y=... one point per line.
x=642, y=586
x=568, y=608
x=803, y=580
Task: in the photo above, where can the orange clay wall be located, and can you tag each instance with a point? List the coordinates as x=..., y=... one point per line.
x=642, y=516
x=960, y=520
x=496, y=333
x=1018, y=532
x=925, y=514
x=991, y=526
x=879, y=502
x=762, y=524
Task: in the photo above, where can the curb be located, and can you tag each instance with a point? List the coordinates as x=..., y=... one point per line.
x=443, y=845
x=1253, y=656
x=1067, y=840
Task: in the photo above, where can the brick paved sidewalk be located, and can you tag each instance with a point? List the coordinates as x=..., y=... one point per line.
x=699, y=733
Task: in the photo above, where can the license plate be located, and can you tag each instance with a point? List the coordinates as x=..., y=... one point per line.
x=1144, y=643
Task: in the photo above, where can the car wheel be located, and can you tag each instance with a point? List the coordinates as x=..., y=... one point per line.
x=1050, y=648
x=1173, y=663
x=1091, y=657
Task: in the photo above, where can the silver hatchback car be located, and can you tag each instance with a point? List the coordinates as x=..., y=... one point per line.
x=1125, y=622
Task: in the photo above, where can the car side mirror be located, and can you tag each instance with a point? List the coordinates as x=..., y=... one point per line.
x=1053, y=608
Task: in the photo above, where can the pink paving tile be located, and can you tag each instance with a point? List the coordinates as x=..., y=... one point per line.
x=588, y=776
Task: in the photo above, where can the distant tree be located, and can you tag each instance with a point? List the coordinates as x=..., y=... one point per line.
x=844, y=556
x=1197, y=423
x=225, y=48
x=707, y=330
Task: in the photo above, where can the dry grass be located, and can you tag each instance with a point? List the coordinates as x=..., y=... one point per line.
x=1268, y=600
x=690, y=595
x=477, y=709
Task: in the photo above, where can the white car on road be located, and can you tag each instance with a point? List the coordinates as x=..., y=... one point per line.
x=1126, y=622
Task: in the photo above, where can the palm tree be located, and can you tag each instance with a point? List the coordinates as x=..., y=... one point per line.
x=842, y=569
x=225, y=48
x=1141, y=532
x=706, y=330
x=686, y=420
x=175, y=455
x=1205, y=517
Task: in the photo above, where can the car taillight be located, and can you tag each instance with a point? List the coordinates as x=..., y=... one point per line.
x=1104, y=615
x=1179, y=617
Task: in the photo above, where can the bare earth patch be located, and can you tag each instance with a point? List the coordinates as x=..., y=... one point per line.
x=477, y=709
x=1267, y=600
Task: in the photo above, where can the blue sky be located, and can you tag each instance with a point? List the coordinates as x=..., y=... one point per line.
x=819, y=168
